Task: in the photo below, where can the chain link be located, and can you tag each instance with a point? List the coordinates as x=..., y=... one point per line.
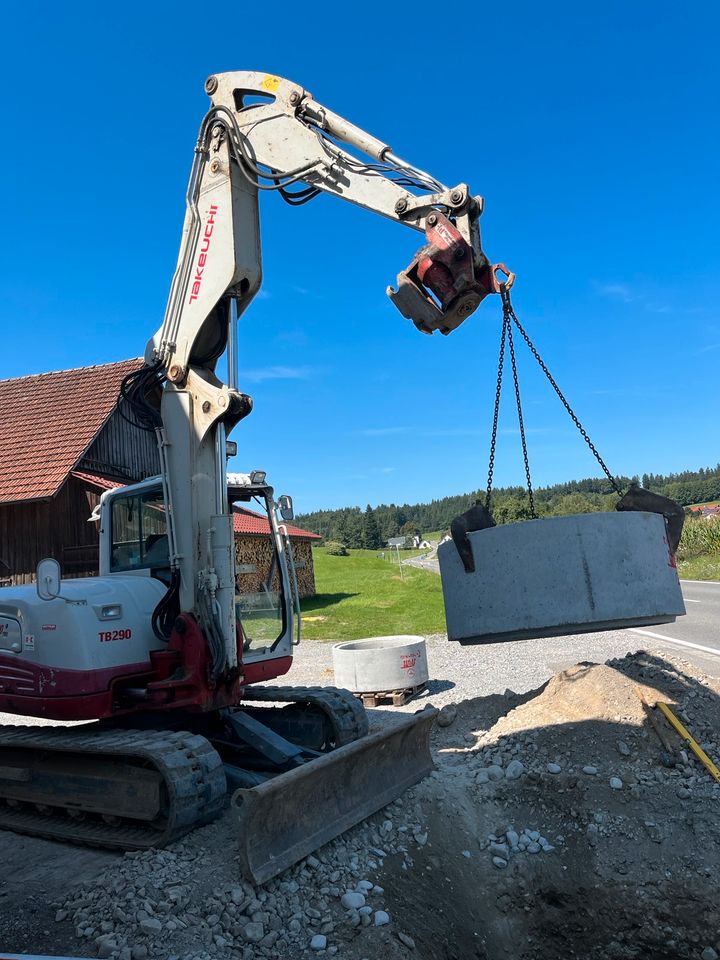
x=531, y=498
x=498, y=391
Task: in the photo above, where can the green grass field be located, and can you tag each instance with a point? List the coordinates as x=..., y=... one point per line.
x=700, y=568
x=363, y=596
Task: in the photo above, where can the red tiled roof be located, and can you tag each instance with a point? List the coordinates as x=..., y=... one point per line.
x=47, y=422
x=101, y=482
x=255, y=524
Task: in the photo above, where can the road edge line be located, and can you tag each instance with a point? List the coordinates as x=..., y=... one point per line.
x=682, y=643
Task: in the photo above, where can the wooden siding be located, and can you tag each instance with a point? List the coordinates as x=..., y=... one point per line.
x=121, y=452
x=56, y=528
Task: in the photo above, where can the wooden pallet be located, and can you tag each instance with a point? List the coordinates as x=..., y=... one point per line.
x=398, y=698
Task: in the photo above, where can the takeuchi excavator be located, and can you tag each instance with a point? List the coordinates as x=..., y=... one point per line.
x=161, y=655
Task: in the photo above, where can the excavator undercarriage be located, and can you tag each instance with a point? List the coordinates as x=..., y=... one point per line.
x=136, y=788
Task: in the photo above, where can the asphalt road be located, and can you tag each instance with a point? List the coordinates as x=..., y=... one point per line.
x=699, y=628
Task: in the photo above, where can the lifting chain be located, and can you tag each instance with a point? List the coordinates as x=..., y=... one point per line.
x=509, y=317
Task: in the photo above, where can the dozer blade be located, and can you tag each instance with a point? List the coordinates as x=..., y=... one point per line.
x=286, y=818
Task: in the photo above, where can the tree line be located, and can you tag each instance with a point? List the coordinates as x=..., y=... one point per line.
x=372, y=527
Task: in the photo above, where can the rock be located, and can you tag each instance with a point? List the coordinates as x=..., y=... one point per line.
x=381, y=918
x=253, y=932
x=318, y=942
x=466, y=854
x=482, y=776
x=406, y=940
x=590, y=770
x=534, y=847
x=616, y=783
x=683, y=793
x=495, y=772
x=150, y=926
x=554, y=768
x=499, y=862
x=623, y=748
x=512, y=838
x=364, y=886
x=140, y=952
x=447, y=715
x=514, y=770
x=499, y=850
x=709, y=954
x=60, y=915
x=352, y=900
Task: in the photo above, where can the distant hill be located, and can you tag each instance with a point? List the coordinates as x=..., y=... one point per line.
x=373, y=526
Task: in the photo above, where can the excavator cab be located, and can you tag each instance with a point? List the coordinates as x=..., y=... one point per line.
x=134, y=539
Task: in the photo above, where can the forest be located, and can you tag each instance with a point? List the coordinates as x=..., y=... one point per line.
x=372, y=527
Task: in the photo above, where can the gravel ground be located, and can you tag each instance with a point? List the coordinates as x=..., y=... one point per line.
x=465, y=672
x=552, y=828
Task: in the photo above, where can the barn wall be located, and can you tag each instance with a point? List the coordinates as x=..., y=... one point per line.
x=50, y=528
x=257, y=551
x=122, y=451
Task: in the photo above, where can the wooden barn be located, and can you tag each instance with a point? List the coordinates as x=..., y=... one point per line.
x=62, y=443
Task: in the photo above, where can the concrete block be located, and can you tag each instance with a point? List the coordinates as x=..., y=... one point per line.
x=380, y=664
x=561, y=575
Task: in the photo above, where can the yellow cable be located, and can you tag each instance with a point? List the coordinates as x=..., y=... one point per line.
x=691, y=742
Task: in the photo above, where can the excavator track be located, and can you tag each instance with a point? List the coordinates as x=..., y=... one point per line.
x=345, y=713
x=126, y=789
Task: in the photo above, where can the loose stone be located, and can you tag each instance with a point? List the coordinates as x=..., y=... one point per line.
x=514, y=770
x=352, y=900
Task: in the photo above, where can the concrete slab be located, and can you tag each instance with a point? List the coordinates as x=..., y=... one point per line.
x=561, y=575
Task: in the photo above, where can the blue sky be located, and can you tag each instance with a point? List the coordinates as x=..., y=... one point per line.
x=590, y=130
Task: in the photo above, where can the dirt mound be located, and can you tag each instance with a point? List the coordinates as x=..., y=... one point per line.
x=561, y=828
x=583, y=693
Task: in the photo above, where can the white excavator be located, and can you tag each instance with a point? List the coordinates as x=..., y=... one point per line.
x=161, y=654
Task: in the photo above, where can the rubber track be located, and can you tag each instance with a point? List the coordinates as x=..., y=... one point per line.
x=345, y=712
x=191, y=769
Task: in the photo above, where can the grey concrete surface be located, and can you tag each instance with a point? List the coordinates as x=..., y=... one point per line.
x=560, y=575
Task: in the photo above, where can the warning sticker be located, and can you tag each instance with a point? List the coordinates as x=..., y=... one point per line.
x=29, y=641
x=270, y=83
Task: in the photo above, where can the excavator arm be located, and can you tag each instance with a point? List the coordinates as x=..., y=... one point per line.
x=263, y=133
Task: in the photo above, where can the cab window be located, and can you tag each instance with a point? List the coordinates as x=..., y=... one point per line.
x=139, y=532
